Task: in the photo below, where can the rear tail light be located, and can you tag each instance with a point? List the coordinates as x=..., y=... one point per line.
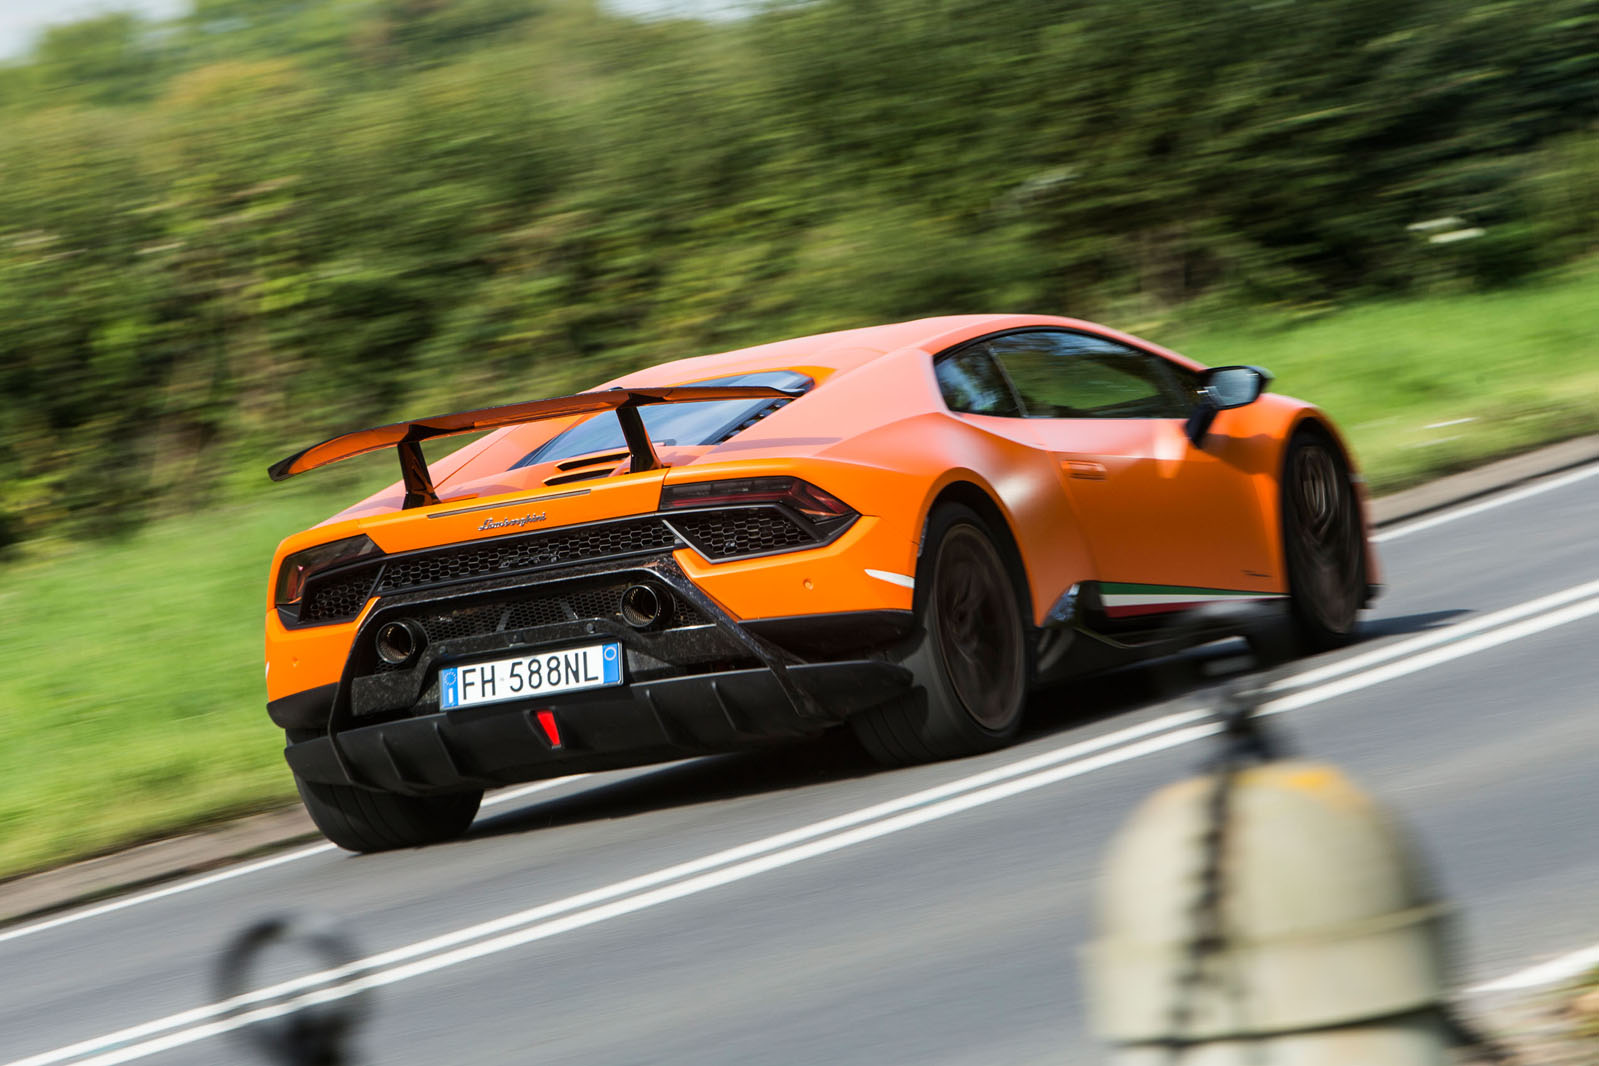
x=822, y=508
x=298, y=568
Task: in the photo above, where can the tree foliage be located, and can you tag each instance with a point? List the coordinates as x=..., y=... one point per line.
x=222, y=236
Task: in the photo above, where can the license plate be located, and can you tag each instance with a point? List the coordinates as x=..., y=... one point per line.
x=567, y=670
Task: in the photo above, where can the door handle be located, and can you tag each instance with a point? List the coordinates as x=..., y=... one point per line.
x=1084, y=469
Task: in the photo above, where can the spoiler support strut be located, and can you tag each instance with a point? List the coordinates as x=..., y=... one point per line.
x=638, y=439
x=419, y=491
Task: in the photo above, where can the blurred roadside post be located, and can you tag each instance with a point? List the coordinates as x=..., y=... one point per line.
x=1268, y=912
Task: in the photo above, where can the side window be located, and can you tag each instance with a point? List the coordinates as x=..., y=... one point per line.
x=970, y=382
x=1077, y=375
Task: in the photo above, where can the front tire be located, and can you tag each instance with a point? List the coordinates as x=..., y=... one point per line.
x=1323, y=541
x=969, y=657
x=359, y=819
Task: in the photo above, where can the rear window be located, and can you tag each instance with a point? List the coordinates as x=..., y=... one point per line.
x=682, y=424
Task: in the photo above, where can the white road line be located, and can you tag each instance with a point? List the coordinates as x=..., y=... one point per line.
x=735, y=864
x=1445, y=635
x=1515, y=496
x=1469, y=646
x=232, y=872
x=1545, y=973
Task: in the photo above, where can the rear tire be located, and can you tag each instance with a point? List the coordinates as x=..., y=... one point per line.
x=359, y=819
x=1323, y=541
x=970, y=655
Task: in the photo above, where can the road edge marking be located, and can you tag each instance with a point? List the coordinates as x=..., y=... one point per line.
x=1560, y=968
x=231, y=872
x=1537, y=488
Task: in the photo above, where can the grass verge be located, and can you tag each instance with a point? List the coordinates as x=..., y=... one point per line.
x=1425, y=387
x=131, y=695
x=131, y=699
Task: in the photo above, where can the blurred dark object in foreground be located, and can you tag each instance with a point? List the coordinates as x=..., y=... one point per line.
x=302, y=1021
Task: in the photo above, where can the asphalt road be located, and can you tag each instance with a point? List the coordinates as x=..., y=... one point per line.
x=931, y=915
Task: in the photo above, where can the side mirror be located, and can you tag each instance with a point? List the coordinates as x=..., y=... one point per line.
x=1222, y=388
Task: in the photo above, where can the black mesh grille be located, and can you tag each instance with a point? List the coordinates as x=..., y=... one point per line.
x=339, y=598
x=725, y=534
x=509, y=555
x=683, y=614
x=539, y=613
x=596, y=603
x=574, y=604
x=569, y=605
x=716, y=534
x=470, y=622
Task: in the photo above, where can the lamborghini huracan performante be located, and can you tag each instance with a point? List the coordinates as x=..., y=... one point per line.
x=900, y=530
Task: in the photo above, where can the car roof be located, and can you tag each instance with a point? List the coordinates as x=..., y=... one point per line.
x=847, y=349
x=837, y=351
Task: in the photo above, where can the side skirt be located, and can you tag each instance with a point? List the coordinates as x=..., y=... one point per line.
x=1100, y=625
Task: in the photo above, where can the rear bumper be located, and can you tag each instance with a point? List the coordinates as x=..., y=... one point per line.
x=710, y=684
x=640, y=723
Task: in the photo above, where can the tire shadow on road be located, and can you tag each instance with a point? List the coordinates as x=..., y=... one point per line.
x=1193, y=676
x=1406, y=624
x=833, y=756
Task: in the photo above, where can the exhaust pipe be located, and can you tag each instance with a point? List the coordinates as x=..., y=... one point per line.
x=642, y=606
x=399, y=642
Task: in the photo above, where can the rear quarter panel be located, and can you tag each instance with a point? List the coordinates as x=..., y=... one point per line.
x=886, y=445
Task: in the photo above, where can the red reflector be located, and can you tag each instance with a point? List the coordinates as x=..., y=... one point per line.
x=547, y=722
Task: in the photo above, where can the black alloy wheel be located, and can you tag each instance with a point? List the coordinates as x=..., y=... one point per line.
x=971, y=657
x=979, y=632
x=1323, y=541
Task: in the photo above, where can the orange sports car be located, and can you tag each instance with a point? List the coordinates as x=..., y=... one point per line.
x=902, y=529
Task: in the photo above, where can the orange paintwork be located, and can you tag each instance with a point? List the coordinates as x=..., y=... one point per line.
x=1127, y=500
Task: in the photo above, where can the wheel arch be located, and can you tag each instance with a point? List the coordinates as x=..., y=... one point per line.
x=1316, y=420
x=980, y=501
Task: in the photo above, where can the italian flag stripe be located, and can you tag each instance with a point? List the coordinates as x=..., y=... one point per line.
x=1110, y=588
x=1126, y=599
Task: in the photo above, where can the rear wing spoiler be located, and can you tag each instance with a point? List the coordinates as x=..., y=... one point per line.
x=407, y=437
